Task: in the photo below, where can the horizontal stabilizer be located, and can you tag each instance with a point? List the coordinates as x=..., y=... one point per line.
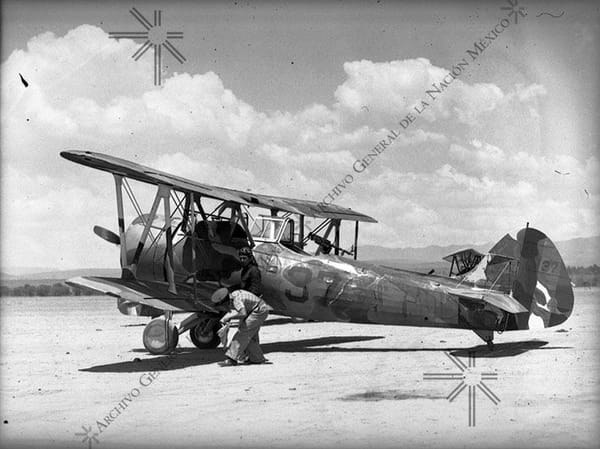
x=500, y=300
x=469, y=252
x=463, y=261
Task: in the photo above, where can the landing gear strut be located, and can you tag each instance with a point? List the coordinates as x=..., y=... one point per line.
x=487, y=336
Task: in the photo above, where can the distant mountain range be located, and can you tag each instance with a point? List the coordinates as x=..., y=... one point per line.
x=56, y=275
x=580, y=252
x=575, y=252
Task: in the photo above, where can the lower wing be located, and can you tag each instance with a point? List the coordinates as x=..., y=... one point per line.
x=153, y=294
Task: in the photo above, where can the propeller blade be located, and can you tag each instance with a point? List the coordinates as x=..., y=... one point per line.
x=107, y=235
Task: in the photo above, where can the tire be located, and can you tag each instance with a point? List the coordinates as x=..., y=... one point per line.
x=155, y=340
x=209, y=340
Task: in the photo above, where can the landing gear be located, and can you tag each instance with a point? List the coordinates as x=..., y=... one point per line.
x=203, y=330
x=204, y=334
x=487, y=336
x=161, y=335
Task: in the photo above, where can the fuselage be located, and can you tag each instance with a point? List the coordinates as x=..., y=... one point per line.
x=333, y=288
x=321, y=287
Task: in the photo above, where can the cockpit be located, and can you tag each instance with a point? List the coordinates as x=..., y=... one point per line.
x=282, y=230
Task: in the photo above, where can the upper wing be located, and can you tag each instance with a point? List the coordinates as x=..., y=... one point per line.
x=151, y=293
x=148, y=175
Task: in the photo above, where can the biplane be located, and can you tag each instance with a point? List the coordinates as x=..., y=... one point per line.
x=174, y=257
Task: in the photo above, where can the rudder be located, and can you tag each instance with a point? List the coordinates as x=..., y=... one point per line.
x=542, y=284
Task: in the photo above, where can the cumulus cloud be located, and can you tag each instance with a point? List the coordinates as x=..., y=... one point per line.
x=48, y=222
x=457, y=171
x=482, y=199
x=389, y=89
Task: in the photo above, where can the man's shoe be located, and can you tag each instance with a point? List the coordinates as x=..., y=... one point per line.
x=262, y=362
x=228, y=362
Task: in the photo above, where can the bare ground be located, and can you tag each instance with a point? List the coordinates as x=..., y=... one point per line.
x=67, y=364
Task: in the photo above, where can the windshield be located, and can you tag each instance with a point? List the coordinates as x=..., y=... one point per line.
x=266, y=229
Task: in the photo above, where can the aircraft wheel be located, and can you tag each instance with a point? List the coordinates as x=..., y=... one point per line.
x=205, y=339
x=156, y=340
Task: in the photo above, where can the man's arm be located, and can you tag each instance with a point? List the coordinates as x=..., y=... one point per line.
x=233, y=314
x=238, y=311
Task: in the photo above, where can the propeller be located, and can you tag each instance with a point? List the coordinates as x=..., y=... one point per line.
x=107, y=235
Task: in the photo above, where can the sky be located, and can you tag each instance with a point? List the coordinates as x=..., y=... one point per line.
x=284, y=99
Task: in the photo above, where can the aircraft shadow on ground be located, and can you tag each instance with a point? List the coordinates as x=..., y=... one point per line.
x=180, y=358
x=320, y=345
x=186, y=357
x=509, y=349
x=283, y=320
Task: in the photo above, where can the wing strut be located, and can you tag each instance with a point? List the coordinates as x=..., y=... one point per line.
x=159, y=196
x=238, y=211
x=356, y=240
x=301, y=231
x=166, y=197
x=163, y=194
x=336, y=239
x=190, y=203
x=326, y=235
x=121, y=216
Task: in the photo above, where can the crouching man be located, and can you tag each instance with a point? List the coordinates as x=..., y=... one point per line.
x=252, y=312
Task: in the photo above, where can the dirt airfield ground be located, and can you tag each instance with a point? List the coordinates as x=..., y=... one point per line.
x=67, y=364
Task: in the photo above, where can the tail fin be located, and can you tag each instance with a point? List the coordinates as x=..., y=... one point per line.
x=497, y=269
x=542, y=284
